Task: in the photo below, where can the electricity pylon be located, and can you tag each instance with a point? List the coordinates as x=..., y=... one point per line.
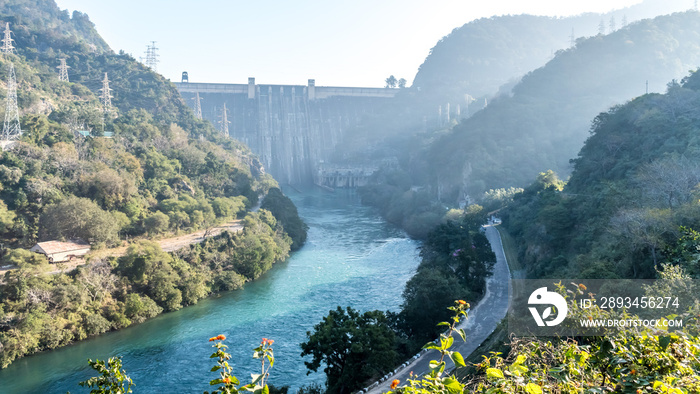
x=63, y=70
x=197, y=106
x=152, y=56
x=224, y=121
x=7, y=46
x=106, y=98
x=11, y=129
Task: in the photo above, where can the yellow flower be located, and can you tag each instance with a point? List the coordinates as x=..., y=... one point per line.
x=221, y=337
x=212, y=339
x=462, y=302
x=227, y=380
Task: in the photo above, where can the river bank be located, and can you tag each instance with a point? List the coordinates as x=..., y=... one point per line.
x=352, y=258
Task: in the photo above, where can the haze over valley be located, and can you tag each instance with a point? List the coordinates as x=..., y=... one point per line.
x=361, y=195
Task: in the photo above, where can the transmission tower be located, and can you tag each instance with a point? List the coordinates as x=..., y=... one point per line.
x=151, y=60
x=11, y=129
x=224, y=121
x=197, y=106
x=7, y=46
x=106, y=99
x=63, y=70
x=572, y=38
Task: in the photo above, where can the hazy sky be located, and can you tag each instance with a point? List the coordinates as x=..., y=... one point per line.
x=339, y=43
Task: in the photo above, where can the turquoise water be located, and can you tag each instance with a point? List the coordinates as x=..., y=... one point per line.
x=352, y=258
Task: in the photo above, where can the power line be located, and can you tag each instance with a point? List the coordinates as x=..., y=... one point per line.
x=63, y=70
x=11, y=129
x=7, y=46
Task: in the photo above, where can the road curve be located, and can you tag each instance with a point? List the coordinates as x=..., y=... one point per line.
x=482, y=321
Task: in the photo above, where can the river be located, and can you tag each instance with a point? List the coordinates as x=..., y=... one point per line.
x=352, y=258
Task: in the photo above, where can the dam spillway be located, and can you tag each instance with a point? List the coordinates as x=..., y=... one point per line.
x=294, y=129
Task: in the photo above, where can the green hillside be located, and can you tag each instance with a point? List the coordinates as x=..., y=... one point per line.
x=632, y=187
x=147, y=169
x=544, y=121
x=480, y=56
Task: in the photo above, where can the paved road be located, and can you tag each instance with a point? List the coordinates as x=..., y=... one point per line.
x=482, y=320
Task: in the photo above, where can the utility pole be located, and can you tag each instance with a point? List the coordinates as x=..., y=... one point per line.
x=106, y=99
x=11, y=129
x=63, y=70
x=152, y=56
x=224, y=121
x=197, y=106
x=7, y=46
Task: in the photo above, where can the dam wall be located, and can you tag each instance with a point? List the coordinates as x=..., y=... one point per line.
x=292, y=128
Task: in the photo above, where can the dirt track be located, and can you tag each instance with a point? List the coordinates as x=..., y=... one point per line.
x=167, y=244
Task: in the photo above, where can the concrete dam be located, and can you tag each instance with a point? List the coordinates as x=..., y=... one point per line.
x=294, y=129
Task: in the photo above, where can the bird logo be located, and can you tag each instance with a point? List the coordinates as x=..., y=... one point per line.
x=556, y=307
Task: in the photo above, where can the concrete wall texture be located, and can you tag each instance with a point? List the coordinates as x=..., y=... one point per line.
x=292, y=128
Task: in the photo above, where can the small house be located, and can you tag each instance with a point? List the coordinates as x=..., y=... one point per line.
x=59, y=251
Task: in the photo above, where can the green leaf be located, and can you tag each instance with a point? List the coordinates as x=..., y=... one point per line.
x=437, y=367
x=215, y=382
x=517, y=369
x=657, y=384
x=431, y=345
x=443, y=323
x=453, y=386
x=664, y=342
x=448, y=343
x=462, y=334
x=532, y=388
x=458, y=359
x=255, y=377
x=494, y=373
x=266, y=390
x=215, y=368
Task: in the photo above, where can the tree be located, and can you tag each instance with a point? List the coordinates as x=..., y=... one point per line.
x=402, y=83
x=391, y=82
x=669, y=181
x=77, y=217
x=283, y=209
x=156, y=223
x=354, y=348
x=425, y=297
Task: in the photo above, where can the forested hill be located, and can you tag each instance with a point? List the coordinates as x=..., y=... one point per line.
x=39, y=25
x=119, y=175
x=163, y=170
x=634, y=184
x=486, y=53
x=545, y=120
x=477, y=61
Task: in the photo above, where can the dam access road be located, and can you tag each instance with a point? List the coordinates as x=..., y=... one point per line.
x=481, y=322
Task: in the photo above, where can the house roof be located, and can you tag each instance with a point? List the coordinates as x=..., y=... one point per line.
x=51, y=247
